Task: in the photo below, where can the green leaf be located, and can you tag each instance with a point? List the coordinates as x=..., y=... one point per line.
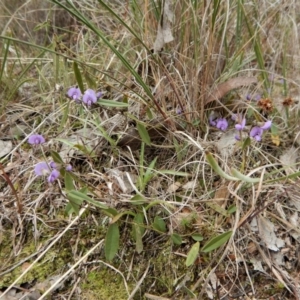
x=197, y=237
x=159, y=224
x=56, y=157
x=176, y=239
x=138, y=200
x=79, y=196
x=73, y=205
x=246, y=143
x=78, y=76
x=192, y=254
x=69, y=182
x=216, y=242
x=71, y=208
x=213, y=163
x=243, y=177
x=112, y=241
x=149, y=172
x=138, y=229
x=231, y=209
x=110, y=103
x=120, y=215
x=143, y=133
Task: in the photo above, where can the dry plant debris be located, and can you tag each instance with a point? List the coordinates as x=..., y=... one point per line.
x=149, y=150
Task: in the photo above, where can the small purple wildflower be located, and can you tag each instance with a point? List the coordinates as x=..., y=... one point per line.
x=267, y=125
x=281, y=80
x=74, y=93
x=53, y=176
x=212, y=120
x=222, y=124
x=256, y=133
x=237, y=137
x=69, y=168
x=41, y=168
x=248, y=97
x=241, y=125
x=89, y=97
x=257, y=97
x=53, y=165
x=36, y=139
x=99, y=95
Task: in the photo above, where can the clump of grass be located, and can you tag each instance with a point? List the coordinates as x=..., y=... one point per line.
x=178, y=155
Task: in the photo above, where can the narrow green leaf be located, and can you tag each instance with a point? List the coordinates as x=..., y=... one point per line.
x=71, y=208
x=78, y=76
x=112, y=241
x=56, y=157
x=120, y=215
x=176, y=239
x=138, y=230
x=216, y=242
x=138, y=199
x=69, y=182
x=213, y=163
x=197, y=237
x=246, y=143
x=231, y=209
x=110, y=103
x=149, y=172
x=242, y=177
x=143, y=133
x=159, y=224
x=81, y=196
x=192, y=254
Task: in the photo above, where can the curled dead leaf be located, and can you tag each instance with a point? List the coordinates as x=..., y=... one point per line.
x=223, y=88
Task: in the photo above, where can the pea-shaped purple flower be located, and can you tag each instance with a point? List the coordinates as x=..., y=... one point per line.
x=89, y=97
x=256, y=133
x=74, y=93
x=53, y=175
x=41, y=169
x=36, y=139
x=267, y=125
x=222, y=124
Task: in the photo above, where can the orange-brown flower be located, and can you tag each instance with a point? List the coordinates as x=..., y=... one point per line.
x=265, y=104
x=288, y=102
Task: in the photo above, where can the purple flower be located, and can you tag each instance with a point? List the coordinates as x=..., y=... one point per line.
x=222, y=124
x=267, y=125
x=89, y=97
x=74, y=93
x=257, y=97
x=53, y=165
x=36, y=139
x=69, y=168
x=99, y=95
x=53, y=176
x=241, y=125
x=212, y=120
x=41, y=168
x=256, y=133
x=248, y=97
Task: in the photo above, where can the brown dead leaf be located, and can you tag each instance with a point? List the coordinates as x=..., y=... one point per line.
x=223, y=88
x=164, y=33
